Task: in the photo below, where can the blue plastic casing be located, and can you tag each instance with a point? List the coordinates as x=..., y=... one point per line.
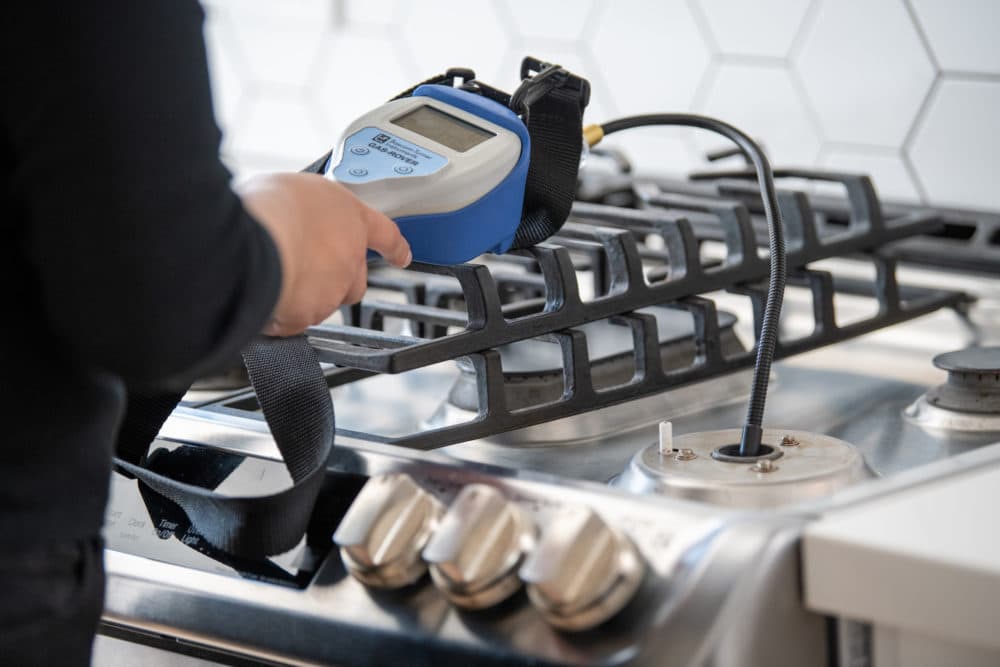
x=486, y=225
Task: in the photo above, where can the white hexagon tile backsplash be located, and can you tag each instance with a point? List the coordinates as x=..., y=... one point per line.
x=906, y=90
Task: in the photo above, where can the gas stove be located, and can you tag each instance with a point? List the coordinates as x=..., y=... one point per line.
x=550, y=435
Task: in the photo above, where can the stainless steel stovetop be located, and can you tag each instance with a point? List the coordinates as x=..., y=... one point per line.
x=725, y=581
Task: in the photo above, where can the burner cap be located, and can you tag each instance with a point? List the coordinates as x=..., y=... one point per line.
x=984, y=360
x=973, y=381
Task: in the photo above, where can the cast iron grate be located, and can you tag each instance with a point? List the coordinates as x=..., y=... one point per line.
x=965, y=240
x=607, y=264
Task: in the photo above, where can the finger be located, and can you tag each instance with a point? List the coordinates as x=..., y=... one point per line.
x=385, y=239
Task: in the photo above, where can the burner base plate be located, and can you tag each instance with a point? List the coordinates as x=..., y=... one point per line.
x=808, y=466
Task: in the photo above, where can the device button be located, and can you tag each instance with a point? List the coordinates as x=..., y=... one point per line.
x=360, y=150
x=475, y=553
x=357, y=171
x=384, y=531
x=403, y=169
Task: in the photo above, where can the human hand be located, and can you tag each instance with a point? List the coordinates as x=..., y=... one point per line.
x=323, y=232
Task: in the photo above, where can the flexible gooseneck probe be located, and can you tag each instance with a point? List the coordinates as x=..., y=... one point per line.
x=768, y=336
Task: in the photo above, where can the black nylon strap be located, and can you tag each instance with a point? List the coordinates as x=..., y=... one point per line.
x=555, y=122
x=295, y=399
x=144, y=415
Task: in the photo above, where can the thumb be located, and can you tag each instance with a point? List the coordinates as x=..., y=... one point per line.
x=385, y=238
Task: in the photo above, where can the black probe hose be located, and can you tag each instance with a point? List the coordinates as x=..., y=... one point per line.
x=768, y=338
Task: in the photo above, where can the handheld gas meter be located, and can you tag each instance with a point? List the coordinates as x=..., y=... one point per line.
x=449, y=166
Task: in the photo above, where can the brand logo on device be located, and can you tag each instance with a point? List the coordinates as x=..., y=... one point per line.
x=382, y=138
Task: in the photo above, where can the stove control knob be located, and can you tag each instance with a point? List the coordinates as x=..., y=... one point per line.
x=478, y=547
x=583, y=571
x=384, y=531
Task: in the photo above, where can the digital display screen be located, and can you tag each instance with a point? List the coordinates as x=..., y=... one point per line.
x=443, y=128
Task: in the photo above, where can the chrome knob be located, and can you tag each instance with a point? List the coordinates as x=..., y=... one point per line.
x=478, y=546
x=385, y=529
x=582, y=571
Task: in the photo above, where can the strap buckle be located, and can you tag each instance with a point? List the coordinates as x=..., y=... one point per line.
x=463, y=73
x=540, y=78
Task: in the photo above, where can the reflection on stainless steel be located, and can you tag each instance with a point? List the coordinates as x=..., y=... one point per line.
x=613, y=421
x=815, y=467
x=933, y=417
x=476, y=550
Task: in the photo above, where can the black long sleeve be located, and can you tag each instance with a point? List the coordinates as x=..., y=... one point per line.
x=127, y=260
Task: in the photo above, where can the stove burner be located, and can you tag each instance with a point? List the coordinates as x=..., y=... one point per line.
x=969, y=400
x=533, y=373
x=973, y=381
x=815, y=466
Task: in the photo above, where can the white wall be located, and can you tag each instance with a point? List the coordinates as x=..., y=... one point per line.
x=907, y=90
